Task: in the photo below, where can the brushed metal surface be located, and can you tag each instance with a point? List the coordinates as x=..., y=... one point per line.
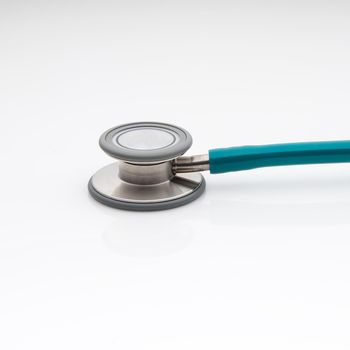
x=108, y=183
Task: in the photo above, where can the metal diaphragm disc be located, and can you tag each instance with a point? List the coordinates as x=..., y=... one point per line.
x=107, y=188
x=145, y=142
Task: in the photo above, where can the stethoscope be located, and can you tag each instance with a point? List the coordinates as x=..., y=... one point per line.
x=152, y=173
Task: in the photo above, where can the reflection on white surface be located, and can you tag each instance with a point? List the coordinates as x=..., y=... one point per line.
x=156, y=236
x=314, y=196
x=255, y=214
x=241, y=201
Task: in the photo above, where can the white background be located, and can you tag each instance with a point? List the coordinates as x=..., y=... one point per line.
x=261, y=261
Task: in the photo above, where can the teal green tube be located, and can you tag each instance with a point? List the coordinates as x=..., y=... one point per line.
x=222, y=160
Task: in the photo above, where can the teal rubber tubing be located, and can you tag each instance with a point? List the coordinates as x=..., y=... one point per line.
x=222, y=160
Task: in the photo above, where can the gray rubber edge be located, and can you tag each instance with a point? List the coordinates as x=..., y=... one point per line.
x=157, y=155
x=150, y=206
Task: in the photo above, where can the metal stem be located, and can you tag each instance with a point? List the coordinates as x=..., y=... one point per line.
x=189, y=164
x=146, y=174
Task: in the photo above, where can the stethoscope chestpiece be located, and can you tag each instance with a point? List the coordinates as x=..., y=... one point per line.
x=144, y=177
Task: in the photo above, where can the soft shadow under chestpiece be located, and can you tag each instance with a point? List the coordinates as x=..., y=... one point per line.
x=152, y=173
